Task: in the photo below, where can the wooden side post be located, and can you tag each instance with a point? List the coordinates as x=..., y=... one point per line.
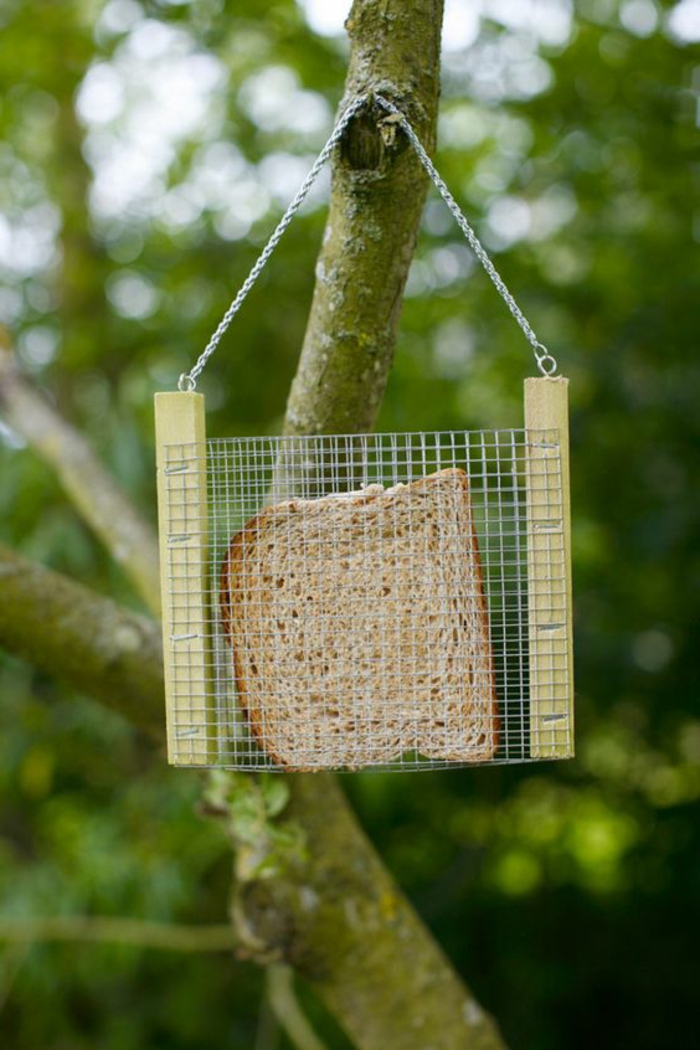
x=182, y=529
x=549, y=568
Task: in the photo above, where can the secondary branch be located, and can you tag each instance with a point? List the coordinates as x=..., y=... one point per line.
x=85, y=640
x=102, y=929
x=95, y=494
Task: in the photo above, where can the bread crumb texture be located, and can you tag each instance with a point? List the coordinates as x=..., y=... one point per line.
x=359, y=628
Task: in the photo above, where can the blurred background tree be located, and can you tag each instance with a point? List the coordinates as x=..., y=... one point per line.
x=567, y=893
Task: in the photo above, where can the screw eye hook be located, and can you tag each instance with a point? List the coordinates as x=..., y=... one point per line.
x=545, y=362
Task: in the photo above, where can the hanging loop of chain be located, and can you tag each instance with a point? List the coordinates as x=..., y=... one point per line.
x=546, y=363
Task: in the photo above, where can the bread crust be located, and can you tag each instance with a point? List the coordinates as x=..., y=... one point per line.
x=230, y=571
x=231, y=584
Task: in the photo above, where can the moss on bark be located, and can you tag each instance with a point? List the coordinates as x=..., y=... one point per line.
x=328, y=907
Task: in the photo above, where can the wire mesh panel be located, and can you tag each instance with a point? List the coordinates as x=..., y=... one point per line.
x=392, y=600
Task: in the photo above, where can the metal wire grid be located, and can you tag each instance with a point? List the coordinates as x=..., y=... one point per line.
x=389, y=629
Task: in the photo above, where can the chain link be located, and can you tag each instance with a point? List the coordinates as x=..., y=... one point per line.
x=545, y=362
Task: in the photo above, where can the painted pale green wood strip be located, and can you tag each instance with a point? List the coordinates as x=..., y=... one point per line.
x=549, y=568
x=190, y=713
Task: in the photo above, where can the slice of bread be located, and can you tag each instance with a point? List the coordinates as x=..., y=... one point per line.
x=359, y=627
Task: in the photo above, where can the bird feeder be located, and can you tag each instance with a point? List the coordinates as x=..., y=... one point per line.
x=396, y=601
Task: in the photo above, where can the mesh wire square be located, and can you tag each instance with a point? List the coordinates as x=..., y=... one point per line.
x=395, y=601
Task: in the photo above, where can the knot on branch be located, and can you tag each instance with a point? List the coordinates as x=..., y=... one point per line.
x=372, y=140
x=263, y=923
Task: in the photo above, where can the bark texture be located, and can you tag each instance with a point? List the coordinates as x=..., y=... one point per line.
x=377, y=198
x=339, y=919
x=85, y=640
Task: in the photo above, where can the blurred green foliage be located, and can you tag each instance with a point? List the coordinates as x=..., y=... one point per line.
x=147, y=149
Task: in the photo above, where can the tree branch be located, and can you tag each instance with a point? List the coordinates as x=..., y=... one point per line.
x=337, y=916
x=376, y=204
x=83, y=639
x=95, y=494
x=340, y=919
x=109, y=929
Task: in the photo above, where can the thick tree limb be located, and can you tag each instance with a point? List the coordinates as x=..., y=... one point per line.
x=337, y=916
x=376, y=203
x=340, y=920
x=89, y=486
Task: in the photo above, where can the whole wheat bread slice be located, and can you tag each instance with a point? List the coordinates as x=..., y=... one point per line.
x=359, y=629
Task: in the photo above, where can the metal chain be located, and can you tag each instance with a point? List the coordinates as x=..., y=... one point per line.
x=545, y=362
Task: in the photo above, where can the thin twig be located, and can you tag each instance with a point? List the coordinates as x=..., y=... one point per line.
x=117, y=930
x=283, y=1000
x=269, y=1030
